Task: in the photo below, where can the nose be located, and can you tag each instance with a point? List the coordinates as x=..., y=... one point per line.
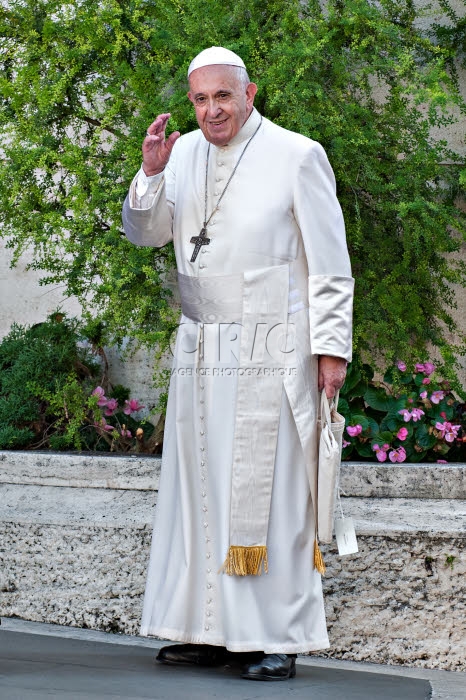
x=213, y=108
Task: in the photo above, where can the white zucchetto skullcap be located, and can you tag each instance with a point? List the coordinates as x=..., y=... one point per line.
x=215, y=56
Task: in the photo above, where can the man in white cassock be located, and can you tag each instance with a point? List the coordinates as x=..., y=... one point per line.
x=266, y=296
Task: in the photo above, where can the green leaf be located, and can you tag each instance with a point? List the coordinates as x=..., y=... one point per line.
x=364, y=449
x=424, y=438
x=343, y=407
x=359, y=419
x=373, y=427
x=390, y=375
x=385, y=437
x=390, y=423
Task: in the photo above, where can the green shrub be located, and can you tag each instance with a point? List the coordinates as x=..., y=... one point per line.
x=49, y=396
x=44, y=371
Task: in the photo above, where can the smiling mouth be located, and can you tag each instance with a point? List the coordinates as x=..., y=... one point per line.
x=218, y=123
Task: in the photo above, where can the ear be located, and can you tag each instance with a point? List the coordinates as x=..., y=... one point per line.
x=251, y=91
x=190, y=97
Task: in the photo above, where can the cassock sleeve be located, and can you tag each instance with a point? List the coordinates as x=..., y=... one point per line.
x=148, y=208
x=320, y=219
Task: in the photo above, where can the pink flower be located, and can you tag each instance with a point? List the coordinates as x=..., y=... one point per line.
x=98, y=391
x=345, y=443
x=401, y=366
x=381, y=452
x=437, y=396
x=398, y=455
x=426, y=368
x=442, y=461
x=112, y=405
x=406, y=414
x=423, y=394
x=132, y=406
x=354, y=430
x=443, y=414
x=104, y=425
x=416, y=414
x=125, y=433
x=448, y=431
x=426, y=380
x=402, y=434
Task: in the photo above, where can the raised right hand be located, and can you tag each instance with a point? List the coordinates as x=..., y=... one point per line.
x=155, y=149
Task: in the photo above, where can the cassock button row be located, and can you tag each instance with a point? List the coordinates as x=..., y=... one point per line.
x=206, y=524
x=209, y=586
x=202, y=401
x=208, y=555
x=204, y=508
x=202, y=464
x=202, y=267
x=202, y=432
x=202, y=449
x=209, y=613
x=209, y=600
x=207, y=628
x=209, y=571
x=204, y=494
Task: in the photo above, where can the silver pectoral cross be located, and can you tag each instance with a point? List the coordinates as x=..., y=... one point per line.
x=199, y=241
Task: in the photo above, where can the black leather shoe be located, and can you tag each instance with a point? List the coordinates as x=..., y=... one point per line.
x=193, y=654
x=272, y=667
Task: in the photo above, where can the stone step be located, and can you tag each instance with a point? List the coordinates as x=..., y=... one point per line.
x=81, y=470
x=65, y=505
x=113, y=508
x=142, y=472
x=374, y=480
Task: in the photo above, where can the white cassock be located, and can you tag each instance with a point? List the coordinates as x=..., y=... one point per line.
x=277, y=243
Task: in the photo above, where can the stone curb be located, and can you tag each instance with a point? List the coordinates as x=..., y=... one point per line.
x=142, y=473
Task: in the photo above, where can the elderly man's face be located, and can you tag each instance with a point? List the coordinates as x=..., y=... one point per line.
x=221, y=100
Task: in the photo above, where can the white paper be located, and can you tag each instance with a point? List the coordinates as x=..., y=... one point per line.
x=346, y=536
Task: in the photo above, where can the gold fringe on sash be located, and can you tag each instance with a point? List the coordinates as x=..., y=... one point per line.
x=319, y=563
x=246, y=561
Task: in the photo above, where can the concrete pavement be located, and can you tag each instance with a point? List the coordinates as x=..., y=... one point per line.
x=39, y=662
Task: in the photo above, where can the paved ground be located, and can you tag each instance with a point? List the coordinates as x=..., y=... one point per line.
x=41, y=662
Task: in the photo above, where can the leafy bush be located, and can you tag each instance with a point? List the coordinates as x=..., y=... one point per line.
x=409, y=416
x=80, y=82
x=43, y=374
x=48, y=397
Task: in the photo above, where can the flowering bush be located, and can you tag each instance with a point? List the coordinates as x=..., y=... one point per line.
x=409, y=416
x=116, y=426
x=49, y=398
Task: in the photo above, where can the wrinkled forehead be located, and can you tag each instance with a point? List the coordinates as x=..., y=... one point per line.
x=215, y=77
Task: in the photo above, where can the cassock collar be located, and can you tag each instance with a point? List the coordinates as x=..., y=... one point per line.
x=246, y=130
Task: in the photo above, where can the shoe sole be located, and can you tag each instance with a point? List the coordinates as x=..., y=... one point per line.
x=257, y=677
x=167, y=662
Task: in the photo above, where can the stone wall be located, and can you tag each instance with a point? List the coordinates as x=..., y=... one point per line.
x=75, y=534
x=399, y=601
